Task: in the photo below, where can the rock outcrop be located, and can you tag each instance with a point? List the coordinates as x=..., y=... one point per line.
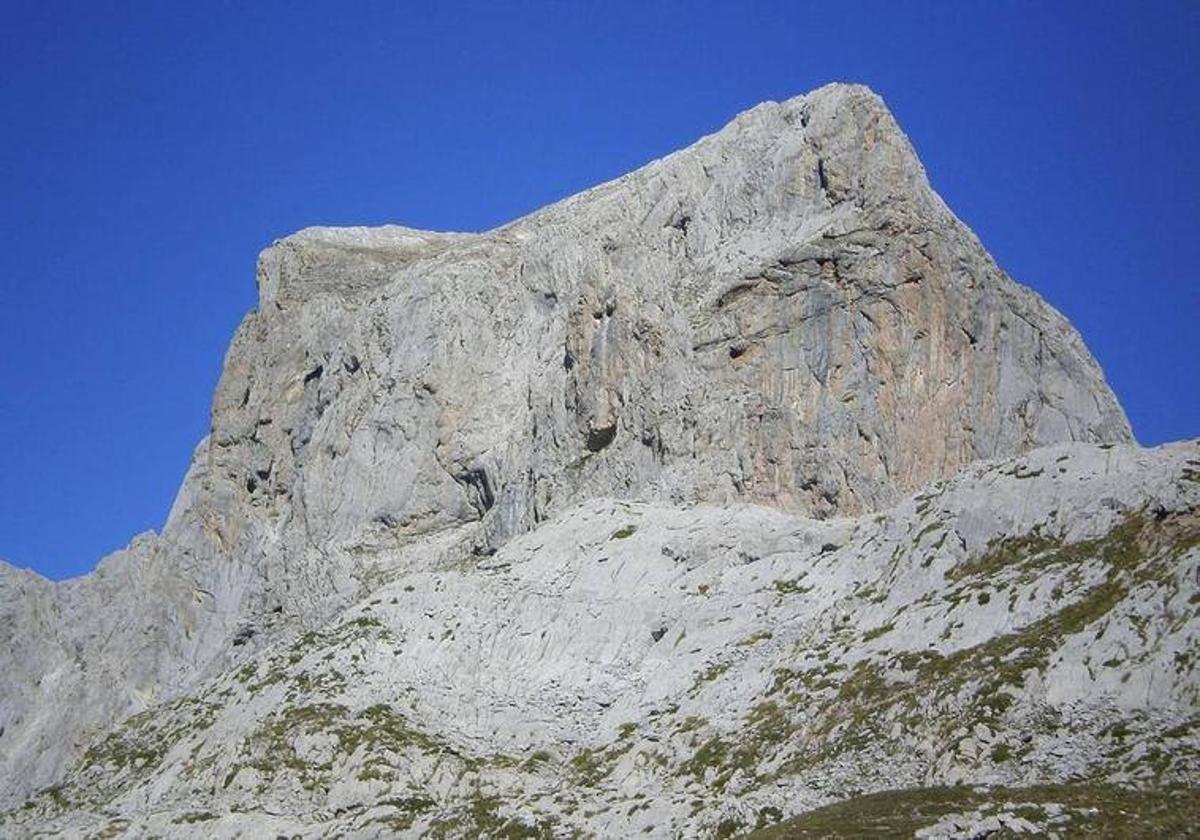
x=608, y=491
x=635, y=668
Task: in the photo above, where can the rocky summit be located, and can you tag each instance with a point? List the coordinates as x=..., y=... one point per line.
x=744, y=494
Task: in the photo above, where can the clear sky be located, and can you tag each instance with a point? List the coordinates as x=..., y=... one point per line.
x=149, y=150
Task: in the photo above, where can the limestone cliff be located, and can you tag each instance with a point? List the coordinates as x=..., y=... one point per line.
x=783, y=315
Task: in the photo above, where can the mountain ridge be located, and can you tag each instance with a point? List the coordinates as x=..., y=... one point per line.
x=783, y=314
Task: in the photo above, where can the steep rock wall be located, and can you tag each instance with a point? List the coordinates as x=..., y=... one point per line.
x=784, y=313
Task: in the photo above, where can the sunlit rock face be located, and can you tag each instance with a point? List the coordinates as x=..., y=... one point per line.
x=766, y=345
x=784, y=312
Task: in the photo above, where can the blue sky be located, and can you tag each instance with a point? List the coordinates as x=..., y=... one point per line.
x=149, y=150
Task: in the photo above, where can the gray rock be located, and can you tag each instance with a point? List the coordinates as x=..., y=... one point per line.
x=470, y=503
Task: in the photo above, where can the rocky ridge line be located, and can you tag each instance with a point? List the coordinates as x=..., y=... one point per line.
x=784, y=314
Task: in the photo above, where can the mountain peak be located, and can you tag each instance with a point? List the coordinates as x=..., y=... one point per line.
x=780, y=331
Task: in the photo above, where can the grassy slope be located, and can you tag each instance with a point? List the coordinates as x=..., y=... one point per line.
x=1119, y=812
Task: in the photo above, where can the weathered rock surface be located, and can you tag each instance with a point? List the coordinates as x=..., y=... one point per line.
x=638, y=668
x=425, y=446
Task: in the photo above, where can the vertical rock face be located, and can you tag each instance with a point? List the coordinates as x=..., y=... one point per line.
x=784, y=313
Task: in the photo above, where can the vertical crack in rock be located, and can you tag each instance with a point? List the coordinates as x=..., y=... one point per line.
x=480, y=489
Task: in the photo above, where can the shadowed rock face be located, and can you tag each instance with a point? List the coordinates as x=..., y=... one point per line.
x=783, y=314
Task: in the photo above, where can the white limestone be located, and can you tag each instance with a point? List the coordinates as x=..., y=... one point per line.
x=426, y=450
